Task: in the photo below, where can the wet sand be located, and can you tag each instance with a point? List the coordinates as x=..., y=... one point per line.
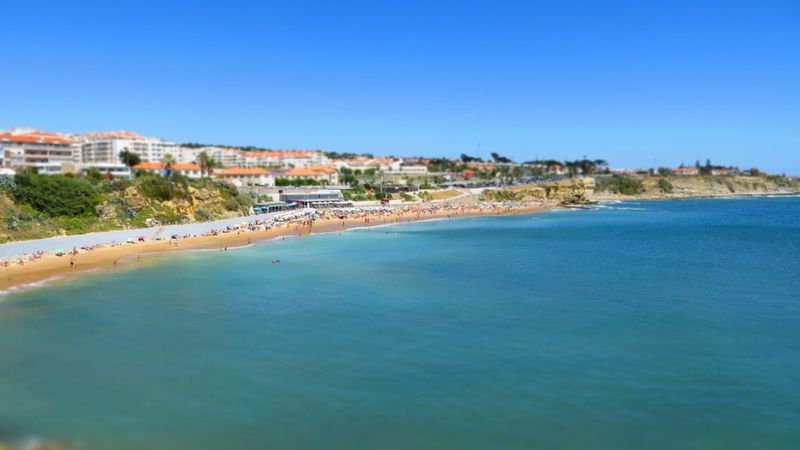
x=52, y=269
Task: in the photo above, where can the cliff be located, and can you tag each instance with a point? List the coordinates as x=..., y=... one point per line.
x=37, y=206
x=573, y=191
x=693, y=186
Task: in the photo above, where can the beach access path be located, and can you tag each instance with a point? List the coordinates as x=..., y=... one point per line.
x=19, y=248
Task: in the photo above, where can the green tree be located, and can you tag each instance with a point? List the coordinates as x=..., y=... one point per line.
x=500, y=159
x=206, y=163
x=129, y=158
x=169, y=162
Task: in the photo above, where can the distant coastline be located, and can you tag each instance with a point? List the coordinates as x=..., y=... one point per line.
x=34, y=268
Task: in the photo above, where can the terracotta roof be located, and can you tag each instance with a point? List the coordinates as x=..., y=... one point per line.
x=302, y=173
x=35, y=138
x=323, y=169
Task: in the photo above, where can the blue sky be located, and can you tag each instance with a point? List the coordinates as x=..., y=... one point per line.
x=638, y=83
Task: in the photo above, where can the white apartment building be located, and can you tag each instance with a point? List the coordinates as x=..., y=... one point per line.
x=186, y=155
x=106, y=147
x=223, y=156
x=363, y=163
x=44, y=152
x=298, y=159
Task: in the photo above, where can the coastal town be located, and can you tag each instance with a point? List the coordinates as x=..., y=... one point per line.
x=72, y=203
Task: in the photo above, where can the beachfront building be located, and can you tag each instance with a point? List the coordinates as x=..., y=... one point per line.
x=185, y=169
x=246, y=176
x=105, y=147
x=315, y=199
x=44, y=152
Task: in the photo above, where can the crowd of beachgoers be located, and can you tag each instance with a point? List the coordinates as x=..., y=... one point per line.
x=299, y=221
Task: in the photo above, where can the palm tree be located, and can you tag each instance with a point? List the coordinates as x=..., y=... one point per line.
x=169, y=162
x=129, y=158
x=206, y=163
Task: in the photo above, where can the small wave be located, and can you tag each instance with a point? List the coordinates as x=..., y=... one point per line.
x=392, y=224
x=35, y=284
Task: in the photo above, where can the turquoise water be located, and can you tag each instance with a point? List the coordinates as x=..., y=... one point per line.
x=643, y=325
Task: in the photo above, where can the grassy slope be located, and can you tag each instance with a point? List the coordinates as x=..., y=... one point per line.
x=121, y=204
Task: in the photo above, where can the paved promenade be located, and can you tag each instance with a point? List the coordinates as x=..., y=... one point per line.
x=68, y=242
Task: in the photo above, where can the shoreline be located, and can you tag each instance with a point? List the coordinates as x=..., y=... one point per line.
x=52, y=269
x=623, y=197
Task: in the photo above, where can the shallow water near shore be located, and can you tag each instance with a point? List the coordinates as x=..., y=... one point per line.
x=636, y=325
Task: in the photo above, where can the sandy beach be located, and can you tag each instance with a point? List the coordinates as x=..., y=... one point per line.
x=50, y=268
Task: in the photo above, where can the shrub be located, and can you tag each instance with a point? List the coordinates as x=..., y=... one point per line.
x=244, y=200
x=231, y=204
x=56, y=195
x=7, y=184
x=201, y=215
x=664, y=185
x=620, y=185
x=296, y=182
x=157, y=188
x=77, y=224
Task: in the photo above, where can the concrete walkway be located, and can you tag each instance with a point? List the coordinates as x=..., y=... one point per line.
x=105, y=237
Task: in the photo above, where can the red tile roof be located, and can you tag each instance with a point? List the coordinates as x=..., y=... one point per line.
x=35, y=138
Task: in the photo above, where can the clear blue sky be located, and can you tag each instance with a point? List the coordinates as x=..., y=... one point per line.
x=638, y=83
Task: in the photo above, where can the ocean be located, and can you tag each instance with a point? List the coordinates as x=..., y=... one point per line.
x=634, y=325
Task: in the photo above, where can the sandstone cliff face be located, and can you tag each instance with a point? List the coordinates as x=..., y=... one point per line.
x=563, y=192
x=196, y=205
x=577, y=191
x=713, y=186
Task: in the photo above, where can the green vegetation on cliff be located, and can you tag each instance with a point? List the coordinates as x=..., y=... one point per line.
x=619, y=185
x=665, y=186
x=36, y=206
x=696, y=186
